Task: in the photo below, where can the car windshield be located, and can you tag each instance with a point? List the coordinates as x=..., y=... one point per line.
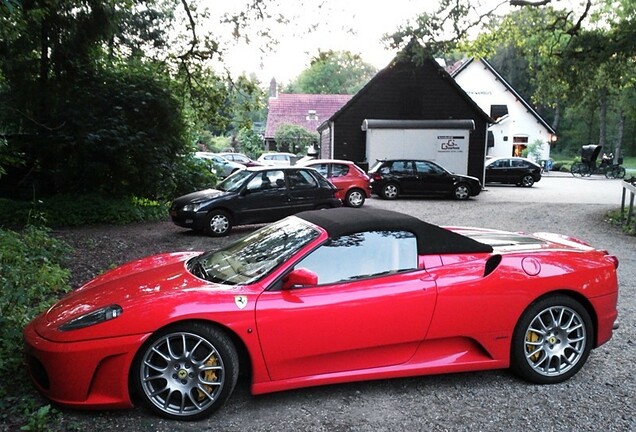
x=256, y=255
x=234, y=182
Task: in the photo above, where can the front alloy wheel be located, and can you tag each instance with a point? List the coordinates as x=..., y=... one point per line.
x=187, y=372
x=354, y=198
x=552, y=340
x=461, y=192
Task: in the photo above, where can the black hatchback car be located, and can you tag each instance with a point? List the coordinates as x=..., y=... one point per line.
x=392, y=178
x=254, y=195
x=512, y=170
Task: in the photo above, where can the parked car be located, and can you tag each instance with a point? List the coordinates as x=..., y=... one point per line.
x=512, y=170
x=254, y=195
x=352, y=182
x=278, y=159
x=240, y=158
x=392, y=178
x=310, y=300
x=219, y=165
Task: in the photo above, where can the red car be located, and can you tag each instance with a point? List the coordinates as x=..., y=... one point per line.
x=324, y=297
x=352, y=182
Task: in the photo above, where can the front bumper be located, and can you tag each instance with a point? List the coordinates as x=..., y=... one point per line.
x=192, y=220
x=86, y=374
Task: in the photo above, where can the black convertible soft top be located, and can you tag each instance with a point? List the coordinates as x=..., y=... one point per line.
x=431, y=239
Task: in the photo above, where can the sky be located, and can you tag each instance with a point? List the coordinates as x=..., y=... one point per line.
x=341, y=25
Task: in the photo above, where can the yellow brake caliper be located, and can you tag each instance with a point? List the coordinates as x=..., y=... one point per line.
x=532, y=337
x=208, y=375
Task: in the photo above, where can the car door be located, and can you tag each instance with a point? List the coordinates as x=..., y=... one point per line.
x=304, y=191
x=403, y=173
x=265, y=198
x=432, y=180
x=498, y=171
x=368, y=309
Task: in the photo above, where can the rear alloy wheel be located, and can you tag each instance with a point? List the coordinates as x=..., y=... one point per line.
x=186, y=372
x=354, y=198
x=461, y=192
x=552, y=340
x=527, y=181
x=390, y=191
x=218, y=223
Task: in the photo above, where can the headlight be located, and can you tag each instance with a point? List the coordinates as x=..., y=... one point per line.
x=98, y=316
x=192, y=207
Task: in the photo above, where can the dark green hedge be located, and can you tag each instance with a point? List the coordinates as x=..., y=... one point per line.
x=77, y=210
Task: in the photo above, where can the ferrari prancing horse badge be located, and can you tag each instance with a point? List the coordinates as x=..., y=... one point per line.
x=241, y=301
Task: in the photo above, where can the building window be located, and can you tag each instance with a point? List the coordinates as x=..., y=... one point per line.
x=498, y=111
x=519, y=144
x=311, y=115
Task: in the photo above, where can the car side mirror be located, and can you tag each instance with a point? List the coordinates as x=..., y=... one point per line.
x=300, y=277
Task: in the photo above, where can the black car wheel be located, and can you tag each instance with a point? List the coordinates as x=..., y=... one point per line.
x=527, y=180
x=390, y=191
x=186, y=372
x=552, y=340
x=218, y=223
x=461, y=191
x=355, y=198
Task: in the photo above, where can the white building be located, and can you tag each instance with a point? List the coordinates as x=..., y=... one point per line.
x=517, y=124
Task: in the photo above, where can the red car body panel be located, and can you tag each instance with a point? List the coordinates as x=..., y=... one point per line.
x=447, y=316
x=355, y=178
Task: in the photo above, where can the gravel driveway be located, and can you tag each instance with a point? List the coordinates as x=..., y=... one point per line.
x=600, y=397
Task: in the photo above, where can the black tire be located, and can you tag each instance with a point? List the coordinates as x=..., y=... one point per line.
x=390, y=191
x=218, y=223
x=527, y=181
x=559, y=347
x=186, y=372
x=577, y=169
x=355, y=198
x=461, y=192
x=620, y=172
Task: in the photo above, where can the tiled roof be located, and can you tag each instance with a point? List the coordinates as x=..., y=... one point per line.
x=295, y=109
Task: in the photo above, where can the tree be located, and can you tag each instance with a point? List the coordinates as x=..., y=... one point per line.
x=294, y=138
x=117, y=87
x=333, y=72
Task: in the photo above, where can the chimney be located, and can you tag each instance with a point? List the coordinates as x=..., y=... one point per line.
x=273, y=88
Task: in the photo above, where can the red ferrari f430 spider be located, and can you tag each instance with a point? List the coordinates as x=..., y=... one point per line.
x=324, y=297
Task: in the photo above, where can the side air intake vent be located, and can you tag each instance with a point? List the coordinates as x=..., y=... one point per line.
x=492, y=264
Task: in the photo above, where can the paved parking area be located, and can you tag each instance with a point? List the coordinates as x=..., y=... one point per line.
x=559, y=188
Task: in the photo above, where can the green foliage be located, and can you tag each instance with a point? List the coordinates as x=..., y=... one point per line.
x=616, y=218
x=250, y=143
x=294, y=139
x=31, y=279
x=104, y=85
x=533, y=150
x=191, y=174
x=77, y=210
x=333, y=72
x=39, y=420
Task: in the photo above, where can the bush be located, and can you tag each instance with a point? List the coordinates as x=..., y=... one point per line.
x=31, y=279
x=77, y=210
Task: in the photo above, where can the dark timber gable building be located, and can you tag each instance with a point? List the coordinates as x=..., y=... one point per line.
x=406, y=97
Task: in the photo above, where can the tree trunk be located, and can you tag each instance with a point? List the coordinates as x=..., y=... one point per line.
x=602, y=117
x=557, y=116
x=619, y=135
